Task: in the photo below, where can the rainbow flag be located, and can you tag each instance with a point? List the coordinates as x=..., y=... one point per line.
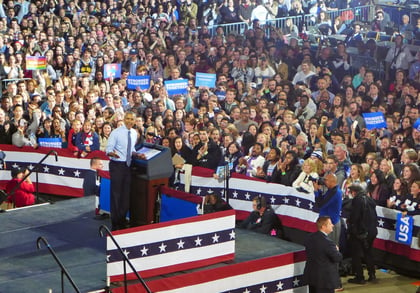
x=36, y=62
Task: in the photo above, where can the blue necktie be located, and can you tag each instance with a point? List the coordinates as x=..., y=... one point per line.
x=128, y=158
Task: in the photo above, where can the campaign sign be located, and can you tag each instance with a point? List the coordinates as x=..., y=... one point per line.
x=404, y=229
x=139, y=81
x=374, y=120
x=176, y=87
x=205, y=79
x=112, y=70
x=36, y=62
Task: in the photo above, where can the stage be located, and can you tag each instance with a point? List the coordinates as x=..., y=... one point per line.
x=70, y=228
x=72, y=232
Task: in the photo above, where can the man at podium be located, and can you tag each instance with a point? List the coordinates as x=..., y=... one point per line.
x=120, y=150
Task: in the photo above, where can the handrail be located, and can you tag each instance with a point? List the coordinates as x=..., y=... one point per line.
x=60, y=264
x=35, y=168
x=359, y=13
x=126, y=260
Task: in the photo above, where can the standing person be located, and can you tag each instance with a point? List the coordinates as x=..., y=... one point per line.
x=329, y=203
x=120, y=150
x=206, y=153
x=362, y=230
x=91, y=181
x=322, y=258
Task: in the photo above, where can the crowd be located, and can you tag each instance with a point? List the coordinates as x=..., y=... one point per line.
x=279, y=110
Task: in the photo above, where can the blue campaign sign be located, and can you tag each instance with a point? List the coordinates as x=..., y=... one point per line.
x=374, y=120
x=143, y=81
x=176, y=87
x=205, y=79
x=404, y=229
x=112, y=70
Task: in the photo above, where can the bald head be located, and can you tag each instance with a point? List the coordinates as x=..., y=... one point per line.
x=330, y=180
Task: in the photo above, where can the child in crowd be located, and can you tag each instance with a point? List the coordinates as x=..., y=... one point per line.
x=87, y=140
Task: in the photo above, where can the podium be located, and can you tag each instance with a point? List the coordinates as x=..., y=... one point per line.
x=147, y=177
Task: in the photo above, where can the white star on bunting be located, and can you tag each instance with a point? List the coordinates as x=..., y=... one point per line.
x=162, y=247
x=180, y=244
x=144, y=251
x=198, y=241
x=215, y=238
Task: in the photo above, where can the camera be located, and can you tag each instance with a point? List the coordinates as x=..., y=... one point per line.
x=319, y=181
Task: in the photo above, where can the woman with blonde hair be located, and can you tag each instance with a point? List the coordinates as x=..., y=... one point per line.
x=387, y=168
x=263, y=139
x=305, y=181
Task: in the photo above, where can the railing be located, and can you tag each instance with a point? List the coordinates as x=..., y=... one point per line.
x=64, y=271
x=6, y=81
x=360, y=13
x=126, y=260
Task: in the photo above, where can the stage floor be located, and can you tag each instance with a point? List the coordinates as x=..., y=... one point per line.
x=70, y=228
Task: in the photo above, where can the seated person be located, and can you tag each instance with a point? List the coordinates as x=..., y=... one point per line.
x=214, y=203
x=263, y=219
x=23, y=195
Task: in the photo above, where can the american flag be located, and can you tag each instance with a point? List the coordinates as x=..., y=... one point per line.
x=174, y=246
x=62, y=177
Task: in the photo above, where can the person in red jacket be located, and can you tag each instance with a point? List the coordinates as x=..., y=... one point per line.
x=23, y=195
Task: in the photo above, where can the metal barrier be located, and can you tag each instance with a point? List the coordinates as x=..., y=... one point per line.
x=5, y=82
x=360, y=13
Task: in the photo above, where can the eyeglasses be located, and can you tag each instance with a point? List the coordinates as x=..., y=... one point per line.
x=151, y=134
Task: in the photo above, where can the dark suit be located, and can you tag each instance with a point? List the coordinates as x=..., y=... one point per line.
x=322, y=258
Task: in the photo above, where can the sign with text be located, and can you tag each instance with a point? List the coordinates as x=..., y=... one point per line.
x=404, y=229
x=205, y=79
x=36, y=62
x=176, y=87
x=374, y=120
x=112, y=70
x=139, y=81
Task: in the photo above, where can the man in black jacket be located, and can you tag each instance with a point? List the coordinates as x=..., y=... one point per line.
x=322, y=257
x=362, y=230
x=207, y=153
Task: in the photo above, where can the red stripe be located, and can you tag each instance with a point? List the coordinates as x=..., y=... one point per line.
x=175, y=268
x=397, y=248
x=220, y=273
x=200, y=218
x=286, y=221
x=181, y=195
x=297, y=223
x=53, y=189
x=41, y=150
